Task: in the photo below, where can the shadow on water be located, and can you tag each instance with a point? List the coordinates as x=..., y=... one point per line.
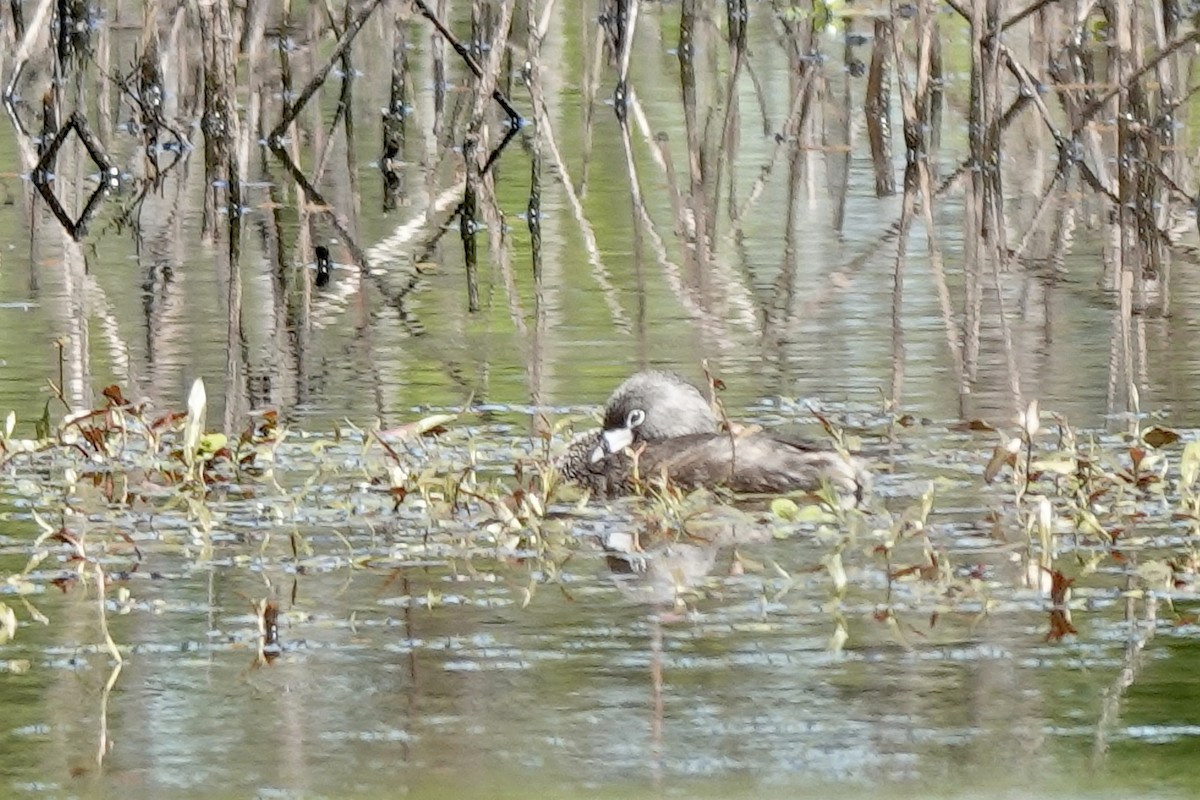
x=359, y=576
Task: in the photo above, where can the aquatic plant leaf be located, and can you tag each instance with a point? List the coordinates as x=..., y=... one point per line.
x=533, y=504
x=41, y=428
x=430, y=425
x=839, y=637
x=19, y=585
x=1159, y=437
x=212, y=443
x=897, y=632
x=1060, y=587
x=8, y=624
x=167, y=420
x=113, y=395
x=819, y=513
x=1030, y=419
x=1088, y=523
x=973, y=426
x=1189, y=464
x=1156, y=574
x=1060, y=625
x=837, y=572
x=193, y=426
x=1000, y=457
x=785, y=509
x=1056, y=464
x=1045, y=518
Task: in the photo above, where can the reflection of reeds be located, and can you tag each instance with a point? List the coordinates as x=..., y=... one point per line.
x=1070, y=138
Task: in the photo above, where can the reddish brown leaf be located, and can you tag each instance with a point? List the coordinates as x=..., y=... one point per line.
x=270, y=621
x=94, y=437
x=972, y=426
x=825, y=423
x=1000, y=457
x=1159, y=437
x=167, y=420
x=1059, y=584
x=129, y=541
x=64, y=583
x=66, y=537
x=114, y=396
x=1060, y=626
x=1136, y=454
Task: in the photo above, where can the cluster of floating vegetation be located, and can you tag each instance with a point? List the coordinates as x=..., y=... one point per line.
x=1072, y=515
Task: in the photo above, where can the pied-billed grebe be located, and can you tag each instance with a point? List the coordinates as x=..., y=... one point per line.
x=661, y=425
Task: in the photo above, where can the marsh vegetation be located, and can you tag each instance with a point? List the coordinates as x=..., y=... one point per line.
x=409, y=248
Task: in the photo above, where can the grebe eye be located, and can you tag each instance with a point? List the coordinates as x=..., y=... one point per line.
x=635, y=418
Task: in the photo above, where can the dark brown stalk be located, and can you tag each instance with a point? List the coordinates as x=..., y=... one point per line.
x=911, y=184
x=346, y=109
x=467, y=225
x=836, y=132
x=440, y=80
x=878, y=108
x=737, y=16
x=688, y=22
x=475, y=137
x=18, y=19
x=1131, y=255
x=390, y=165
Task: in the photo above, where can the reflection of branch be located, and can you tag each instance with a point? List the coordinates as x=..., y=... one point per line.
x=313, y=195
x=42, y=174
x=486, y=77
x=713, y=323
x=790, y=127
x=599, y=272
x=1130, y=668
x=732, y=290
x=315, y=82
x=33, y=32
x=465, y=55
x=939, y=273
x=103, y=748
x=670, y=269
